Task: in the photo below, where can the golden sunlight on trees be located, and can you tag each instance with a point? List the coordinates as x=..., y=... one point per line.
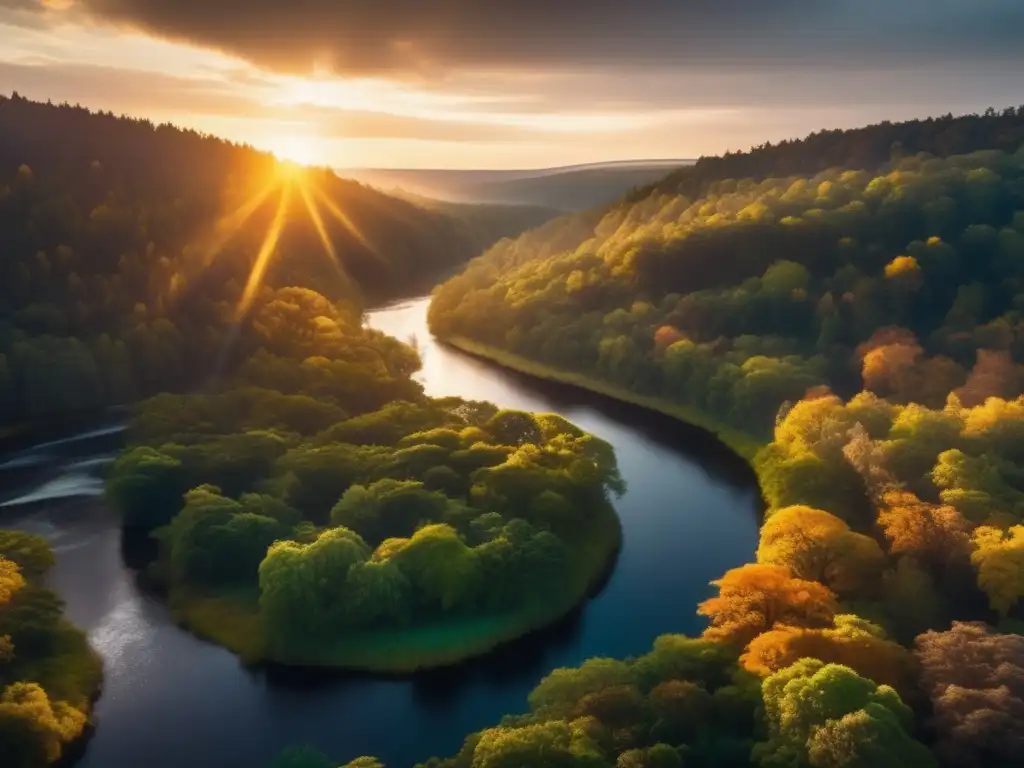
x=46, y=726
x=904, y=269
x=753, y=599
x=820, y=547
x=999, y=559
x=933, y=534
x=11, y=580
x=851, y=641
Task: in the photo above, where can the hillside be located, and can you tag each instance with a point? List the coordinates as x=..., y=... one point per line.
x=742, y=298
x=853, y=302
x=488, y=223
x=129, y=248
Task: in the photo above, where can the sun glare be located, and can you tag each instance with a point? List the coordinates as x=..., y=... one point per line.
x=290, y=180
x=303, y=150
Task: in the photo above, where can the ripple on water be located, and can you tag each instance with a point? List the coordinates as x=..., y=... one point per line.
x=65, y=486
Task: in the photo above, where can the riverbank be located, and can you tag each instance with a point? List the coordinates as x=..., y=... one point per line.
x=741, y=443
x=231, y=619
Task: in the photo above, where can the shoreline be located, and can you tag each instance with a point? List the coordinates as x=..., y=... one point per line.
x=741, y=443
x=231, y=620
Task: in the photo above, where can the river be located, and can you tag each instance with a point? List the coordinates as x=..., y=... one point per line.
x=170, y=699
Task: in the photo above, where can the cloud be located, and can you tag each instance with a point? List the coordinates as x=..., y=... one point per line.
x=120, y=90
x=413, y=38
x=363, y=124
x=149, y=94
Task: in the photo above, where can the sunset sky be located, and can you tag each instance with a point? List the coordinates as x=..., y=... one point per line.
x=533, y=83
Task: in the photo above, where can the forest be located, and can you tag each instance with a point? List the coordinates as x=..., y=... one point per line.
x=852, y=304
x=310, y=504
x=319, y=509
x=126, y=246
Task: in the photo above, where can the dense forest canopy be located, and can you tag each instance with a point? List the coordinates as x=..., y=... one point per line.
x=126, y=247
x=853, y=301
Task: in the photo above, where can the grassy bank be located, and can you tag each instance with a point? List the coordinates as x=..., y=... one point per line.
x=231, y=619
x=744, y=444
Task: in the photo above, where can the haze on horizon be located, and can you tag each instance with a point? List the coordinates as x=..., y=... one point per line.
x=481, y=84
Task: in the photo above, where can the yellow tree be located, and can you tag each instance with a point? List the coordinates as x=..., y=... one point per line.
x=45, y=726
x=11, y=581
x=753, y=599
x=818, y=546
x=999, y=559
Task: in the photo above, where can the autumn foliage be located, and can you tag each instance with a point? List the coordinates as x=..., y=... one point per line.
x=10, y=580
x=754, y=599
x=851, y=641
x=974, y=678
x=820, y=547
x=936, y=534
x=999, y=557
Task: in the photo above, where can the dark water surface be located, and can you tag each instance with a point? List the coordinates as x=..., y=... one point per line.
x=171, y=700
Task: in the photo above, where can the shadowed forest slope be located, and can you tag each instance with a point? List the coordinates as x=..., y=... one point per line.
x=129, y=248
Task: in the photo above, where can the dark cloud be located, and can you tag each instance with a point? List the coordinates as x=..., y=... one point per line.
x=419, y=37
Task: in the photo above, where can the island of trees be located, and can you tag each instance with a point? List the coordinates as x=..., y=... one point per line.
x=847, y=311
x=319, y=509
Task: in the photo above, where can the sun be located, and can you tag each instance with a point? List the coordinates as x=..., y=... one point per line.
x=303, y=150
x=290, y=182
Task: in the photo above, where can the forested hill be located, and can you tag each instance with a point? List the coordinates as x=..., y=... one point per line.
x=123, y=243
x=860, y=148
x=871, y=148
x=144, y=183
x=741, y=299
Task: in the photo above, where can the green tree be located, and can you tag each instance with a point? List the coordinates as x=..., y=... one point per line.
x=827, y=716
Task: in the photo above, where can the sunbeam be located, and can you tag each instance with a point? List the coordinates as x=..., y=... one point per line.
x=266, y=251
x=344, y=220
x=229, y=225
x=318, y=222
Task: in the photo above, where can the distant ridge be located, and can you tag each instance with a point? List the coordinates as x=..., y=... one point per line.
x=566, y=188
x=523, y=173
